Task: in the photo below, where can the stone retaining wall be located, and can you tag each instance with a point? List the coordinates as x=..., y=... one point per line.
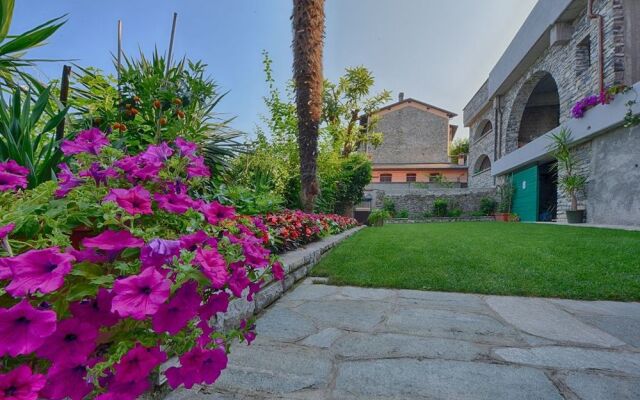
x=297, y=265
x=468, y=200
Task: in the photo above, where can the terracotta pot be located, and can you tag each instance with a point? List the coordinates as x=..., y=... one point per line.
x=502, y=217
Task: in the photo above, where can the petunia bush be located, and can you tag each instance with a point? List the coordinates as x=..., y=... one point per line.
x=115, y=268
x=291, y=229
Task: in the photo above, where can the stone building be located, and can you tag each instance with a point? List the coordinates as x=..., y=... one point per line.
x=565, y=50
x=415, y=148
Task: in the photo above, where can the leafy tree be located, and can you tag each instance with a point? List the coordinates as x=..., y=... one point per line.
x=459, y=146
x=346, y=103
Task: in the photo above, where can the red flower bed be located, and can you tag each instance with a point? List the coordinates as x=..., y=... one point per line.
x=289, y=229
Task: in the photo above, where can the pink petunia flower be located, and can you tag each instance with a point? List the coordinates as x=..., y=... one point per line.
x=88, y=255
x=249, y=333
x=197, y=168
x=197, y=366
x=67, y=181
x=159, y=252
x=157, y=153
x=67, y=381
x=98, y=174
x=113, y=241
x=186, y=148
x=213, y=266
x=215, y=212
x=126, y=390
x=72, y=342
x=178, y=311
x=90, y=141
x=96, y=311
x=174, y=203
x=6, y=230
x=5, y=269
x=21, y=384
x=23, y=328
x=238, y=280
x=140, y=295
x=254, y=288
x=12, y=176
x=216, y=303
x=38, y=270
x=277, y=271
x=194, y=240
x=255, y=253
x=134, y=201
x=12, y=167
x=205, y=337
x=138, y=363
x=136, y=168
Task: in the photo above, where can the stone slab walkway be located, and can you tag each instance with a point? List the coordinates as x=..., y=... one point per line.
x=327, y=342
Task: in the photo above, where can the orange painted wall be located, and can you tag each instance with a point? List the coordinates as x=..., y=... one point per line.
x=422, y=175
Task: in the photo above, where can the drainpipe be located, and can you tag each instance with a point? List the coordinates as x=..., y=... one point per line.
x=497, y=131
x=600, y=19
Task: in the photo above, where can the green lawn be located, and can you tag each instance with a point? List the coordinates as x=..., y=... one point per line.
x=493, y=258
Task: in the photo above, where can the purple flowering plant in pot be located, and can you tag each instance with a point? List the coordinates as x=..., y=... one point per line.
x=95, y=317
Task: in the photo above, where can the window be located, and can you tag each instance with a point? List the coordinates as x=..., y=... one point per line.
x=583, y=55
x=435, y=177
x=483, y=164
x=411, y=177
x=486, y=129
x=385, y=177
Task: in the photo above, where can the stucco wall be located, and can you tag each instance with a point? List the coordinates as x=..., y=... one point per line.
x=613, y=195
x=449, y=175
x=412, y=135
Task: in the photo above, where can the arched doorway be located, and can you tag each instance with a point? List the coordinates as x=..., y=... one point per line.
x=534, y=112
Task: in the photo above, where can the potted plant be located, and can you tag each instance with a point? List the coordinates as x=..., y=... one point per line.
x=377, y=217
x=505, y=192
x=570, y=182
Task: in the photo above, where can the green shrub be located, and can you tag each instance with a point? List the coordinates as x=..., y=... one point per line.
x=440, y=207
x=403, y=214
x=455, y=213
x=488, y=206
x=377, y=217
x=389, y=206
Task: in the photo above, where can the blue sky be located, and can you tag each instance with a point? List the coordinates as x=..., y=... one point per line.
x=436, y=51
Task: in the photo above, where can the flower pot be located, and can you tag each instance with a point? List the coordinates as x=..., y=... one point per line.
x=575, y=217
x=502, y=217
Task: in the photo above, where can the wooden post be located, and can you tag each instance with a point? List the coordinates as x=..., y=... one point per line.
x=119, y=58
x=173, y=32
x=64, y=95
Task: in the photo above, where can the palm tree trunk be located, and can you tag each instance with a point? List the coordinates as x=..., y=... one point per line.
x=308, y=35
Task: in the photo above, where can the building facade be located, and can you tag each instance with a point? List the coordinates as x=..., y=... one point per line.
x=566, y=50
x=416, y=141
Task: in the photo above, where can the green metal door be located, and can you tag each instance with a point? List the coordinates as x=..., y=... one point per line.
x=525, y=197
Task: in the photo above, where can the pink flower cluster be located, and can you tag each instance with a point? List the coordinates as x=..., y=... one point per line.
x=70, y=311
x=12, y=176
x=582, y=106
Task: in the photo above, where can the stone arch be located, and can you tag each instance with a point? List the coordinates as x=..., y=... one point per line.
x=483, y=163
x=483, y=128
x=534, y=111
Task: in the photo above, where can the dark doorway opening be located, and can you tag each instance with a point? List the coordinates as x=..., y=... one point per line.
x=547, y=192
x=542, y=112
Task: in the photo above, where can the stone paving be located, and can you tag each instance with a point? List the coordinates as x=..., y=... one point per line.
x=327, y=342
